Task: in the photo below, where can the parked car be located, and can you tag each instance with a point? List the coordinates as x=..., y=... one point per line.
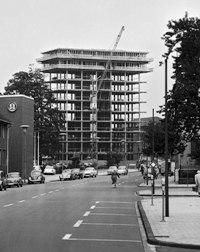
x=66, y=175
x=110, y=169
x=36, y=177
x=122, y=170
x=3, y=181
x=49, y=169
x=78, y=173
x=14, y=179
x=90, y=172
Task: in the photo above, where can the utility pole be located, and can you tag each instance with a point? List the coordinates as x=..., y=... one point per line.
x=166, y=147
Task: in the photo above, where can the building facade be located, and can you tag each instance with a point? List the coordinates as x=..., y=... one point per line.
x=19, y=111
x=99, y=92
x=4, y=140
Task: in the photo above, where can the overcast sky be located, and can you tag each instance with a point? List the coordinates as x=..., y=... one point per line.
x=29, y=27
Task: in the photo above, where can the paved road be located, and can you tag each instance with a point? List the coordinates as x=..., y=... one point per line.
x=74, y=216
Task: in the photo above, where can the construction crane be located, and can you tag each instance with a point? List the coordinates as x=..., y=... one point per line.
x=96, y=96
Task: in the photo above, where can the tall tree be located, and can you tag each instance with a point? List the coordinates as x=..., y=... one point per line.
x=183, y=101
x=47, y=119
x=155, y=133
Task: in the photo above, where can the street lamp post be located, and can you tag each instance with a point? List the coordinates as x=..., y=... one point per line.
x=123, y=142
x=24, y=128
x=166, y=147
x=62, y=141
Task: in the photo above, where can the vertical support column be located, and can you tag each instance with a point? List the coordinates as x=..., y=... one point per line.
x=66, y=115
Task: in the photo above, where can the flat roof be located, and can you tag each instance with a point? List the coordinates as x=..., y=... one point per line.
x=94, y=50
x=17, y=95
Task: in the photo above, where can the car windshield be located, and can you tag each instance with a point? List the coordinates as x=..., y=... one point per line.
x=35, y=172
x=122, y=167
x=66, y=171
x=89, y=169
x=13, y=175
x=112, y=167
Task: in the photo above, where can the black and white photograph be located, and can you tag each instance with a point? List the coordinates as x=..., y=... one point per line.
x=99, y=126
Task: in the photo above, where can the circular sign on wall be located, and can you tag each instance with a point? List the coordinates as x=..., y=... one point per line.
x=12, y=106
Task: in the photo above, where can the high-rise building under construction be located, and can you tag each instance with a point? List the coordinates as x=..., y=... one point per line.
x=99, y=91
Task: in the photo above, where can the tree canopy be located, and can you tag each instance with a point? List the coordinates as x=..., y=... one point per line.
x=183, y=101
x=47, y=119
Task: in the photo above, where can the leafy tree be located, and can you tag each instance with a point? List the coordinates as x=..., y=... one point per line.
x=114, y=158
x=47, y=120
x=155, y=132
x=183, y=101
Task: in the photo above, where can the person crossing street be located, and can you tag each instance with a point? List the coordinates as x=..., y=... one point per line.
x=114, y=177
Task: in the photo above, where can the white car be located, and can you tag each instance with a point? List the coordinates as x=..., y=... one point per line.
x=66, y=175
x=122, y=170
x=90, y=172
x=49, y=170
x=110, y=169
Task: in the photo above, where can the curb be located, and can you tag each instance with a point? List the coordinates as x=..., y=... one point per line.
x=151, y=238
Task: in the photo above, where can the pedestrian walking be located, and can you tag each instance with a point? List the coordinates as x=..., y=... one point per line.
x=114, y=177
x=197, y=181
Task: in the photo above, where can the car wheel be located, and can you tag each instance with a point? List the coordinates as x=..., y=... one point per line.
x=17, y=185
x=5, y=188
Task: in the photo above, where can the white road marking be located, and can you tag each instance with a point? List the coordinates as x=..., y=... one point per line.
x=104, y=240
x=110, y=224
x=86, y=213
x=117, y=202
x=42, y=194
x=22, y=201
x=78, y=223
x=115, y=207
x=7, y=205
x=34, y=196
x=67, y=236
x=97, y=202
x=50, y=191
x=57, y=190
x=113, y=214
x=92, y=207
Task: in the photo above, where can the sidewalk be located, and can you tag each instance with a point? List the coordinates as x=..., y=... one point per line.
x=182, y=227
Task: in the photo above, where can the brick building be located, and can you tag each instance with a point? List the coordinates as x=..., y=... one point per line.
x=19, y=111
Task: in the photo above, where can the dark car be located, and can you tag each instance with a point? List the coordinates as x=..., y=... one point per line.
x=3, y=181
x=36, y=177
x=14, y=179
x=78, y=173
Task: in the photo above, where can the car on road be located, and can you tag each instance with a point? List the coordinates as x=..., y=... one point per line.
x=49, y=169
x=110, y=169
x=36, y=177
x=90, y=172
x=78, y=173
x=3, y=181
x=122, y=170
x=66, y=175
x=14, y=179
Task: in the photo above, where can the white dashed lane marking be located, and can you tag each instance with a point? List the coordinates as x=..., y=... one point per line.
x=7, y=205
x=21, y=201
x=42, y=194
x=34, y=196
x=78, y=223
x=86, y=213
